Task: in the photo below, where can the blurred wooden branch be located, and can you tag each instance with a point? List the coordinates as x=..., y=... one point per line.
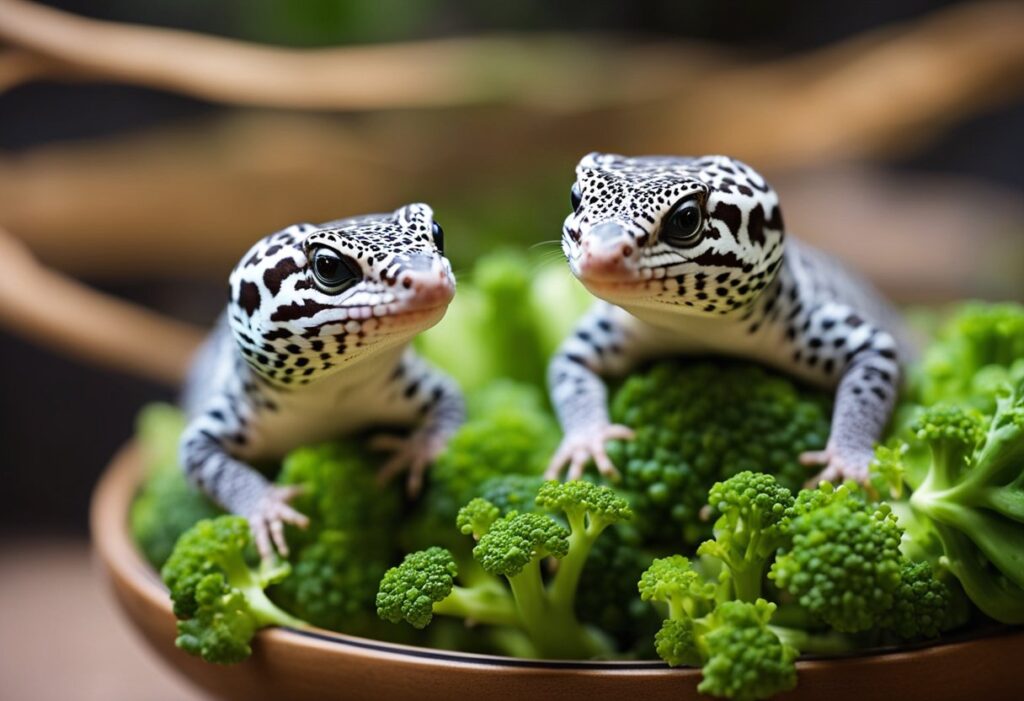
x=58, y=312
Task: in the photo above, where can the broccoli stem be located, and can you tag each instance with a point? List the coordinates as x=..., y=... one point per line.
x=265, y=611
x=552, y=627
x=830, y=643
x=567, y=577
x=483, y=604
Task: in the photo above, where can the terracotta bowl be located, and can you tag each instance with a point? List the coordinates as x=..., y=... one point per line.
x=317, y=664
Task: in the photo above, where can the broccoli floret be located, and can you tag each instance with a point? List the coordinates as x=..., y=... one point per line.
x=167, y=505
x=740, y=655
x=844, y=561
x=699, y=423
x=921, y=603
x=968, y=498
x=511, y=492
x=509, y=589
x=509, y=433
x=339, y=493
x=334, y=583
x=218, y=597
x=755, y=511
x=978, y=350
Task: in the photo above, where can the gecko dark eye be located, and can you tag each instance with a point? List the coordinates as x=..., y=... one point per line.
x=333, y=272
x=438, y=233
x=683, y=225
x=575, y=196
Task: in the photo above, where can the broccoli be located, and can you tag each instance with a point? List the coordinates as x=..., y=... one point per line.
x=339, y=492
x=702, y=422
x=844, y=562
x=506, y=586
x=980, y=348
x=967, y=505
x=334, y=583
x=754, y=523
x=218, y=598
x=510, y=432
x=167, y=505
x=740, y=655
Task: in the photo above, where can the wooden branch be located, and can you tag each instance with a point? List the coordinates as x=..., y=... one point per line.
x=545, y=71
x=58, y=312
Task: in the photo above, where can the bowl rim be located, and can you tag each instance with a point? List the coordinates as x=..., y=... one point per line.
x=117, y=551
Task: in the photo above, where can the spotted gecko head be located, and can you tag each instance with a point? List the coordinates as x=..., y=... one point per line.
x=696, y=235
x=309, y=300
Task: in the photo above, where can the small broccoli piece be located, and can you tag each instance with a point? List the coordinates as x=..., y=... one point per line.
x=921, y=603
x=511, y=549
x=745, y=659
x=333, y=583
x=844, y=561
x=740, y=655
x=968, y=498
x=477, y=517
x=510, y=432
x=512, y=492
x=166, y=505
x=340, y=493
x=518, y=540
x=219, y=598
x=699, y=423
x=755, y=511
x=977, y=351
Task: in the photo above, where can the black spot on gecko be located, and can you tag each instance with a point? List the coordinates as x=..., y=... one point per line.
x=730, y=215
x=755, y=226
x=273, y=277
x=248, y=297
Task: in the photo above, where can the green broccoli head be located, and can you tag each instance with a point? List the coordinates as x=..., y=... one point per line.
x=339, y=492
x=220, y=598
x=409, y=591
x=221, y=626
x=517, y=540
x=921, y=603
x=844, y=561
x=755, y=511
x=745, y=660
x=476, y=517
x=334, y=583
x=589, y=507
x=676, y=643
x=978, y=350
x=512, y=492
x=699, y=423
x=950, y=433
x=673, y=581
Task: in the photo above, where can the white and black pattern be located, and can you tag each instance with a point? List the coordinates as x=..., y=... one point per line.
x=313, y=345
x=690, y=255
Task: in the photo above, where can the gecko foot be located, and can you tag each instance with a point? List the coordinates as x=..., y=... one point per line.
x=579, y=447
x=412, y=454
x=268, y=518
x=839, y=465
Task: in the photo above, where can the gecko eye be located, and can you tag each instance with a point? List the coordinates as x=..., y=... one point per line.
x=333, y=272
x=438, y=234
x=575, y=196
x=683, y=225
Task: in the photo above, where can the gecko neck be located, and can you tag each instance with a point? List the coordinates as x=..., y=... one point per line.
x=350, y=371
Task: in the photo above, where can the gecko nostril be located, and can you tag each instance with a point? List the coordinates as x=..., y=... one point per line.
x=407, y=283
x=627, y=250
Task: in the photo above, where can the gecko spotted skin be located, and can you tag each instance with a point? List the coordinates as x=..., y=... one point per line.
x=690, y=256
x=315, y=344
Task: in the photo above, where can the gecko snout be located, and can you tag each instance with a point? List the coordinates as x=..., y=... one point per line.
x=428, y=282
x=607, y=251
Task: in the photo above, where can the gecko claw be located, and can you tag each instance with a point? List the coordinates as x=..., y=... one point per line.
x=412, y=455
x=268, y=518
x=847, y=465
x=577, y=449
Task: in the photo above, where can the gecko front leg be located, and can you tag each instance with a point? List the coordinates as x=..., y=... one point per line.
x=419, y=388
x=866, y=358
x=607, y=342
x=234, y=485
